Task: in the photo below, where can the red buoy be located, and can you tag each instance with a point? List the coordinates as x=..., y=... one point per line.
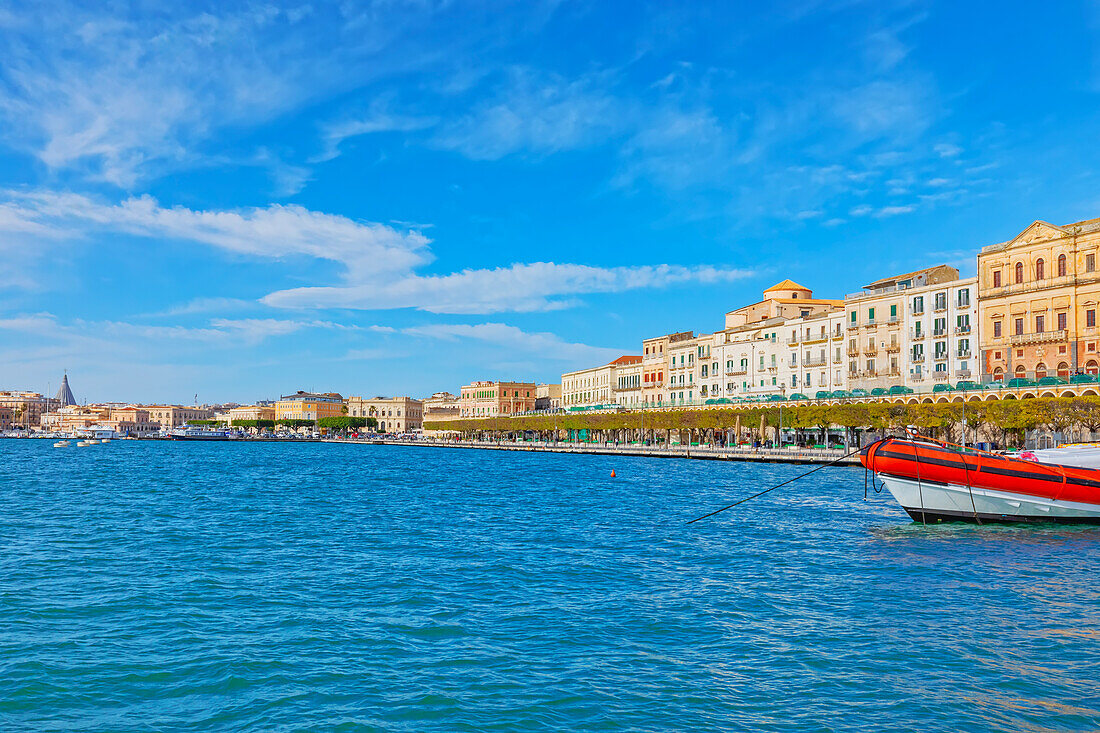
x=613, y=473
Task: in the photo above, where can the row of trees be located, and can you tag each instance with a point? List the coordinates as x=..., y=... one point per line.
x=341, y=423
x=1001, y=421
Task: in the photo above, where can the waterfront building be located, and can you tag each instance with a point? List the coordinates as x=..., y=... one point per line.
x=683, y=387
x=655, y=368
x=5, y=418
x=495, y=399
x=394, y=414
x=940, y=331
x=626, y=384
x=815, y=361
x=27, y=408
x=875, y=322
x=251, y=412
x=174, y=416
x=441, y=406
x=599, y=385
x=548, y=397
x=309, y=406
x=76, y=417
x=130, y=420
x=1038, y=296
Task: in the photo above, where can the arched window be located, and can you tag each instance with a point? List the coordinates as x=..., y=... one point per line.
x=1020, y=370
x=1061, y=265
x=1019, y=272
x=1040, y=370
x=1039, y=267
x=998, y=375
x=1090, y=367
x=1063, y=370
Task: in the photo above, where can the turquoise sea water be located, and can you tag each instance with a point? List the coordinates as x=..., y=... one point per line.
x=286, y=587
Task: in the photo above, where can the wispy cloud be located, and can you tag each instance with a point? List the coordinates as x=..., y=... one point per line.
x=379, y=262
x=545, y=345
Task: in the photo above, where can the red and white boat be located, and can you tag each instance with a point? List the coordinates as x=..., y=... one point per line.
x=935, y=482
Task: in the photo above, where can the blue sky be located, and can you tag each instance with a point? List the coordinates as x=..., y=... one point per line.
x=238, y=200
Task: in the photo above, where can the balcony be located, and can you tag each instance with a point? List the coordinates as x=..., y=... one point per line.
x=940, y=356
x=940, y=307
x=939, y=333
x=1021, y=339
x=819, y=338
x=962, y=374
x=870, y=350
x=853, y=352
x=917, y=358
x=940, y=375
x=893, y=319
x=918, y=377
x=964, y=354
x=894, y=373
x=852, y=326
x=838, y=335
x=736, y=372
x=816, y=361
x=893, y=348
x=961, y=330
x=918, y=311
x=792, y=341
x=839, y=360
x=917, y=335
x=870, y=323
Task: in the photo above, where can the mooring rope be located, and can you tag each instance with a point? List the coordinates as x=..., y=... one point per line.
x=773, y=488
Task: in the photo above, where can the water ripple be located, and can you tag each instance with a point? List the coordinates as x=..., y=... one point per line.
x=293, y=587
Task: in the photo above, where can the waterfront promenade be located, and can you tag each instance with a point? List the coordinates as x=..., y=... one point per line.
x=698, y=452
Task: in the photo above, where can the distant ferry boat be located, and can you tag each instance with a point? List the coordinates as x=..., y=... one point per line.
x=199, y=434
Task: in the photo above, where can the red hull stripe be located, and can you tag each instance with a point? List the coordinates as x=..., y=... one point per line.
x=932, y=463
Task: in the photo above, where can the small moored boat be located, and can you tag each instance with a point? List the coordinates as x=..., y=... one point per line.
x=936, y=482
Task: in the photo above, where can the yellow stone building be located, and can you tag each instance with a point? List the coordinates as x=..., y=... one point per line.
x=1038, y=296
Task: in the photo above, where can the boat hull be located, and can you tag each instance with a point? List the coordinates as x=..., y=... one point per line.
x=936, y=483
x=931, y=501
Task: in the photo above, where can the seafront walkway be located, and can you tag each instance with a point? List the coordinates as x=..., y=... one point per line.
x=699, y=452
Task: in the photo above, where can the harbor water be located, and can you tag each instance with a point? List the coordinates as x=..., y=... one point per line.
x=327, y=587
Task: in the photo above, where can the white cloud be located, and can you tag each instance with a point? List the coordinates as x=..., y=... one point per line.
x=378, y=119
x=380, y=262
x=537, y=286
x=276, y=231
x=546, y=346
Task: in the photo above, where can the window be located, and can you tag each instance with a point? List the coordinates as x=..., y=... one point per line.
x=893, y=313
x=1090, y=318
x=1061, y=265
x=870, y=315
x=941, y=301
x=1090, y=263
x=1040, y=322
x=853, y=316
x=1019, y=272
x=1039, y=267
x=918, y=305
x=964, y=298
x=1040, y=370
x=1019, y=326
x=1061, y=321
x=996, y=278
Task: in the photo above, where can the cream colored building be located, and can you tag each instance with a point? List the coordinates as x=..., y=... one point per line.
x=27, y=408
x=1038, y=297
x=875, y=322
x=394, y=414
x=655, y=368
x=941, y=337
x=548, y=397
x=252, y=412
x=441, y=406
x=497, y=399
x=815, y=361
x=131, y=420
x=626, y=381
x=173, y=416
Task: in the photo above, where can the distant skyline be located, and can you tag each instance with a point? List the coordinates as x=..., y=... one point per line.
x=242, y=200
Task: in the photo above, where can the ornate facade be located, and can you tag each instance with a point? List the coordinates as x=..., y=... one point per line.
x=1038, y=297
